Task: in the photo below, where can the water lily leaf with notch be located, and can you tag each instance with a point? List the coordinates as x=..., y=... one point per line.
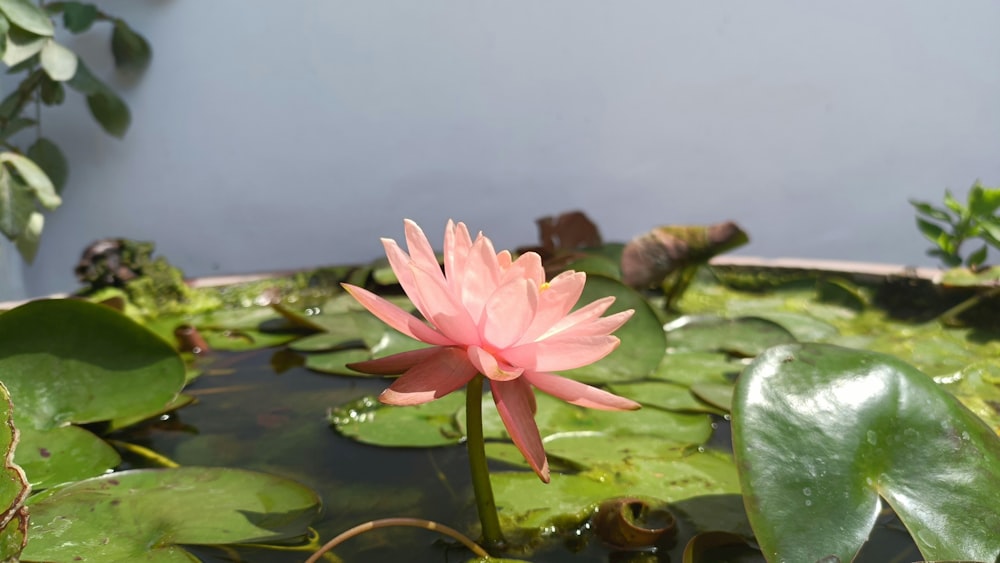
x=642, y=341
x=820, y=432
x=147, y=514
x=14, y=486
x=68, y=361
x=742, y=336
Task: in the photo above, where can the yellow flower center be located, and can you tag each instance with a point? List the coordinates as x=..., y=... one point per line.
x=543, y=287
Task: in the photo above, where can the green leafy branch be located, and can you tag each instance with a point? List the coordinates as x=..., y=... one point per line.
x=32, y=177
x=950, y=226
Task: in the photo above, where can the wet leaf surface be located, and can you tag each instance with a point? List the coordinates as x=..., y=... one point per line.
x=147, y=514
x=68, y=361
x=821, y=432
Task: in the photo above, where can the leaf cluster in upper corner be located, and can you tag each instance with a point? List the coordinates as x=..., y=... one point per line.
x=32, y=175
x=950, y=226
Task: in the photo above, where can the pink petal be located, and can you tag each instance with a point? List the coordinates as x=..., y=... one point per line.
x=508, y=313
x=456, y=251
x=514, y=400
x=446, y=371
x=504, y=259
x=579, y=394
x=557, y=354
x=397, y=318
x=554, y=303
x=399, y=261
x=420, y=249
x=480, y=277
x=527, y=266
x=394, y=364
x=586, y=313
x=442, y=308
x=488, y=365
x=599, y=326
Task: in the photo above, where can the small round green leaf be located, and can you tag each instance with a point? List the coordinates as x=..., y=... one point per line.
x=27, y=242
x=131, y=51
x=17, y=203
x=110, y=111
x=28, y=16
x=21, y=46
x=51, y=160
x=35, y=178
x=58, y=61
x=78, y=17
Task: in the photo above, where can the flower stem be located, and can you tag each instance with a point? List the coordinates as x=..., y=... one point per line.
x=492, y=536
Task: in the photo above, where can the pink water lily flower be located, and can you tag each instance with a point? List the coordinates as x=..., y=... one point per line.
x=496, y=316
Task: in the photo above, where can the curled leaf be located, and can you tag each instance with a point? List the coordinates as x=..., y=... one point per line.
x=633, y=523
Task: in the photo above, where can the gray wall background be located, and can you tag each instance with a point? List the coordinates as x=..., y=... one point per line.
x=281, y=135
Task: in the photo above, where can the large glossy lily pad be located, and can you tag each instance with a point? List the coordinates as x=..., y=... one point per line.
x=68, y=361
x=145, y=515
x=821, y=432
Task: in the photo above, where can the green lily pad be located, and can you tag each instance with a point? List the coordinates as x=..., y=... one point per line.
x=557, y=417
x=145, y=515
x=14, y=486
x=719, y=395
x=821, y=432
x=805, y=328
x=531, y=510
x=62, y=455
x=73, y=361
x=427, y=425
x=642, y=341
x=743, y=336
x=595, y=264
x=68, y=361
x=336, y=362
x=687, y=368
x=668, y=396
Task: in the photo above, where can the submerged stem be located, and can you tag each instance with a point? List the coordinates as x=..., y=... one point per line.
x=492, y=536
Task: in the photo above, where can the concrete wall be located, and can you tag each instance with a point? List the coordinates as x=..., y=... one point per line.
x=278, y=135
